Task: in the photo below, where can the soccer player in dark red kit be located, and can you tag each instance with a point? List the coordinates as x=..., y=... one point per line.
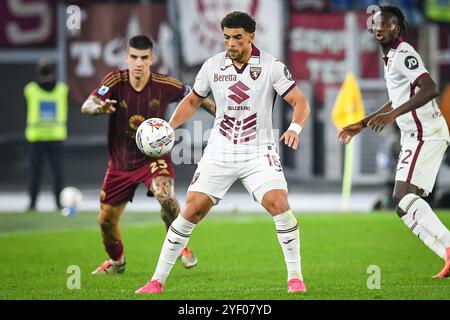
x=129, y=97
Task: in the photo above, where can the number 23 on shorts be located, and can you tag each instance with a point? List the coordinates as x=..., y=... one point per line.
x=159, y=164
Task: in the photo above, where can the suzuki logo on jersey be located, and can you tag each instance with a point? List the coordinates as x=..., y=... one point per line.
x=239, y=95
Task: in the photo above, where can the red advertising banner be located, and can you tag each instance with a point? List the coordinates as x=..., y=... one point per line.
x=28, y=23
x=370, y=57
x=318, y=49
x=202, y=37
x=99, y=46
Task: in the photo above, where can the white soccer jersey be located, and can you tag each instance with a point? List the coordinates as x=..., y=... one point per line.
x=244, y=101
x=403, y=69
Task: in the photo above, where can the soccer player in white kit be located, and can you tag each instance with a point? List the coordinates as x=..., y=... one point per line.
x=424, y=132
x=244, y=81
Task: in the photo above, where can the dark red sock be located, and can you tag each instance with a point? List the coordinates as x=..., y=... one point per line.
x=115, y=250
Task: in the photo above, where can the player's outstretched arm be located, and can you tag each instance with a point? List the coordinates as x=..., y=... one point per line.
x=428, y=91
x=93, y=106
x=300, y=116
x=346, y=134
x=185, y=109
x=209, y=106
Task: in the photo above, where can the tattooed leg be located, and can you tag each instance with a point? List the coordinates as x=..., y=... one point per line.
x=163, y=189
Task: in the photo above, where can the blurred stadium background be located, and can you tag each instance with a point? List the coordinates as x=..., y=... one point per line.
x=320, y=41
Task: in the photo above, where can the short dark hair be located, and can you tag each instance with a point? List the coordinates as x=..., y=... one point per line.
x=400, y=16
x=46, y=67
x=140, y=42
x=238, y=19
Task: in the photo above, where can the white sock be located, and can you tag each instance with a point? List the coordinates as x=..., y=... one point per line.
x=289, y=237
x=177, y=238
x=420, y=211
x=430, y=241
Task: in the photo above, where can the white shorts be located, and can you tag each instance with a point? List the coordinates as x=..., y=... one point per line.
x=419, y=163
x=259, y=175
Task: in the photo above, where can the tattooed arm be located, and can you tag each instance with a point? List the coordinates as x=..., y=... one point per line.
x=93, y=106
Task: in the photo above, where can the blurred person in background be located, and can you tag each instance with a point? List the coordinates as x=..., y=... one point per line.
x=46, y=128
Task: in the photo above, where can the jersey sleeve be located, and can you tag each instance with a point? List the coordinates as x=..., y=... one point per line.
x=180, y=93
x=410, y=65
x=282, y=79
x=202, y=87
x=106, y=87
x=177, y=90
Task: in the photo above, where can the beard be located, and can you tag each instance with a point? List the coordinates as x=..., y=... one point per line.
x=235, y=55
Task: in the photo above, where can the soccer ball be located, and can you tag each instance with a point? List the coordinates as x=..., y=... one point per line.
x=155, y=137
x=70, y=198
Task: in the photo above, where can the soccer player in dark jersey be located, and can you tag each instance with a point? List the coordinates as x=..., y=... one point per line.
x=129, y=97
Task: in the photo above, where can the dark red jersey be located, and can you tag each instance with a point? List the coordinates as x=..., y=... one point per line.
x=132, y=108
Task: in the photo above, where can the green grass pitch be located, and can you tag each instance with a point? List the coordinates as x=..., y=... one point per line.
x=239, y=258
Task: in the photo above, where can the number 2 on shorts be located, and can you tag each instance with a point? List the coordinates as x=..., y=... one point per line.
x=408, y=154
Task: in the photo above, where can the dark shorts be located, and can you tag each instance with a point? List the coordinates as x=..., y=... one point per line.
x=119, y=186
